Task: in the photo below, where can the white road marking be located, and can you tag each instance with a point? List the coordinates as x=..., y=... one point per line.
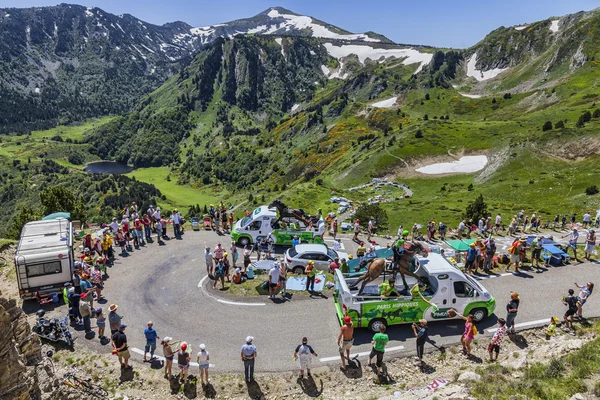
x=481, y=278
x=361, y=354
x=331, y=240
x=525, y=324
x=225, y=301
x=141, y=352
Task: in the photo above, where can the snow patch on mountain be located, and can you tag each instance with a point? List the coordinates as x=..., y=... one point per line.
x=325, y=70
x=280, y=43
x=481, y=75
x=385, y=103
x=520, y=28
x=89, y=12
x=364, y=52
x=554, y=26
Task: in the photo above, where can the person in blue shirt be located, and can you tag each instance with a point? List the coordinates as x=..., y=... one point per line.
x=295, y=241
x=151, y=337
x=471, y=257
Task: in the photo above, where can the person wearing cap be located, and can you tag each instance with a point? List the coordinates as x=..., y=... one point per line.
x=121, y=241
x=169, y=354
x=176, y=224
x=151, y=336
x=119, y=342
x=100, y=323
x=114, y=225
x=85, y=310
x=295, y=241
x=219, y=251
x=420, y=331
x=183, y=361
x=311, y=273
x=470, y=259
x=237, y=276
x=226, y=265
x=511, y=311
x=335, y=264
x=219, y=274
x=345, y=340
x=66, y=295
x=590, y=243
x=303, y=353
x=344, y=267
x=551, y=329
x=159, y=230
x=248, y=354
x=247, y=254
x=138, y=226
x=107, y=244
x=114, y=319
x=234, y=254
x=203, y=359
x=163, y=224
x=572, y=243
x=360, y=252
x=379, y=341
x=87, y=288
x=76, y=278
x=356, y=230
x=147, y=222
x=536, y=252
x=274, y=274
x=515, y=253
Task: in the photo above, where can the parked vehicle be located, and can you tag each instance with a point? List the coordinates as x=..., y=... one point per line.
x=298, y=257
x=447, y=288
x=195, y=224
x=53, y=329
x=264, y=221
x=44, y=257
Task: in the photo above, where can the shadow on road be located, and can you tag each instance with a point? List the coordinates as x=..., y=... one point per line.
x=353, y=369
x=254, y=391
x=519, y=340
x=209, y=391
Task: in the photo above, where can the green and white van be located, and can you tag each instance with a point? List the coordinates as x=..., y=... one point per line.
x=447, y=288
x=264, y=221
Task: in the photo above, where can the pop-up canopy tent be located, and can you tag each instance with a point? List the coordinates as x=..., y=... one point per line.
x=460, y=245
x=57, y=215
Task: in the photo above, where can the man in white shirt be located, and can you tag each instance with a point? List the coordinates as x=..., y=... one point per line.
x=587, y=219
x=498, y=222
x=156, y=214
x=176, y=223
x=208, y=256
x=273, y=279
x=337, y=244
x=114, y=225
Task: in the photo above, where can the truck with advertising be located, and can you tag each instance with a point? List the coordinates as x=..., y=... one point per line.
x=446, y=288
x=44, y=257
x=265, y=221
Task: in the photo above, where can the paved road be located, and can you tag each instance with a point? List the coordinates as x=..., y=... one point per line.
x=161, y=283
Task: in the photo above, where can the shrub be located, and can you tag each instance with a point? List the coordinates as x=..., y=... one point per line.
x=559, y=125
x=419, y=134
x=591, y=190
x=547, y=126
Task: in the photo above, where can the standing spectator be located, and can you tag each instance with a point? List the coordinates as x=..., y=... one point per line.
x=494, y=346
x=163, y=223
x=98, y=283
x=247, y=261
x=379, y=341
x=283, y=276
x=515, y=257
x=335, y=264
x=234, y=254
x=572, y=243
x=551, y=329
x=183, y=361
x=273, y=279
x=66, y=294
x=587, y=220
x=107, y=244
x=248, y=355
x=490, y=252
x=176, y=224
x=584, y=294
x=356, y=230
x=414, y=232
x=226, y=265
x=209, y=258
x=345, y=340
x=121, y=241
x=76, y=278
x=571, y=302
x=536, y=252
x=219, y=274
x=219, y=251
x=303, y=353
x=311, y=272
x=159, y=230
x=471, y=258
x=139, y=228
x=114, y=225
x=443, y=229
x=257, y=248
x=119, y=342
x=511, y=311
x=75, y=300
x=469, y=334
x=86, y=312
x=151, y=337
x=335, y=228
x=100, y=323
x=169, y=355
x=370, y=228
x=498, y=224
x=114, y=319
x=421, y=334
x=203, y=363
x=590, y=243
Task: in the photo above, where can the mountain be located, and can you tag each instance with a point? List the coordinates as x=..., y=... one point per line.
x=533, y=55
x=281, y=22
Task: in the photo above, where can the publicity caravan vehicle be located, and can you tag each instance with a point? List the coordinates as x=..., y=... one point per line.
x=447, y=287
x=264, y=221
x=44, y=257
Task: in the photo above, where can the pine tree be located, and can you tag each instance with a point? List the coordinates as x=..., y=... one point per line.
x=476, y=209
x=547, y=126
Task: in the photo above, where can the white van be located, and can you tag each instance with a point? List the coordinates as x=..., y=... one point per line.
x=44, y=258
x=447, y=288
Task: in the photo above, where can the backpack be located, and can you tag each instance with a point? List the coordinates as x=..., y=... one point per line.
x=474, y=329
x=220, y=270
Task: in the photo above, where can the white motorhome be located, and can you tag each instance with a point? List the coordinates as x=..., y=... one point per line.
x=44, y=258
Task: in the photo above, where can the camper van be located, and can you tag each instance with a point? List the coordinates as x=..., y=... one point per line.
x=447, y=287
x=264, y=221
x=44, y=258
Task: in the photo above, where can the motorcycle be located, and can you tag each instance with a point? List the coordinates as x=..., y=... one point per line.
x=53, y=329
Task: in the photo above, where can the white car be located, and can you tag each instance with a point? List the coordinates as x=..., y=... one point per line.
x=297, y=258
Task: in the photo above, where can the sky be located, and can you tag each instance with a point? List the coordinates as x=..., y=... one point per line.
x=440, y=23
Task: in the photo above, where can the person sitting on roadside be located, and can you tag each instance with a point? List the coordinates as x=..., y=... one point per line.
x=237, y=276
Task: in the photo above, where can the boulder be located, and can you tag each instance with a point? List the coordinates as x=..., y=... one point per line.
x=469, y=376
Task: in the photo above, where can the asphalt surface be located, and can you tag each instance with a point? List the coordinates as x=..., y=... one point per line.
x=163, y=284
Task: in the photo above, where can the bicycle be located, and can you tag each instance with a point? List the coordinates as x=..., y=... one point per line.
x=84, y=385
